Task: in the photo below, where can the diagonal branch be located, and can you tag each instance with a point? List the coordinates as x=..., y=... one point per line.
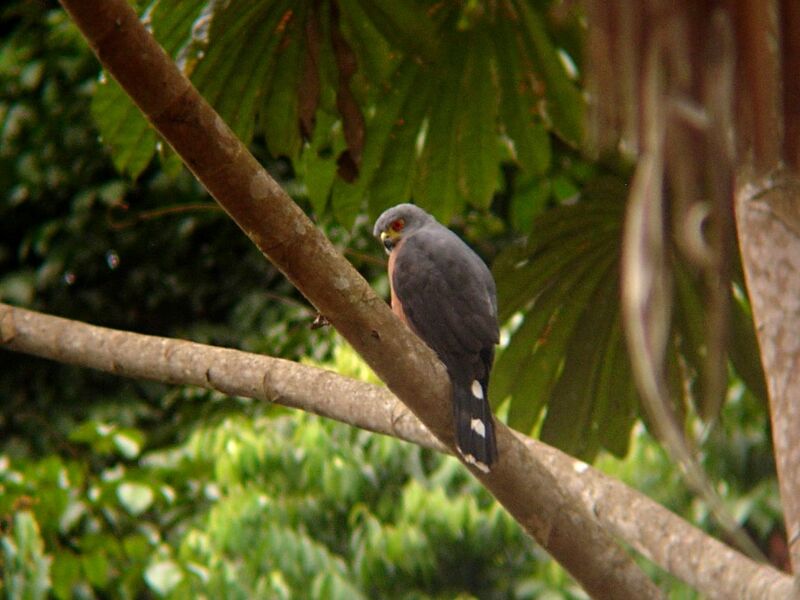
x=703, y=562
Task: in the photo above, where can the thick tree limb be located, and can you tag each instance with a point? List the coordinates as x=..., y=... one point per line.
x=521, y=482
x=703, y=562
x=768, y=219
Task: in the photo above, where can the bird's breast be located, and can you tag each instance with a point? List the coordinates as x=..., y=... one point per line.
x=397, y=307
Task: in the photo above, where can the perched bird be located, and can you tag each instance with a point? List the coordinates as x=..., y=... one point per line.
x=445, y=293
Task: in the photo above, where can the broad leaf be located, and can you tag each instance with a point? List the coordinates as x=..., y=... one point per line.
x=565, y=105
x=519, y=105
x=123, y=128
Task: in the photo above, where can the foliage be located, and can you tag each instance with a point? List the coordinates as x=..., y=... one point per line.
x=286, y=505
x=345, y=89
x=566, y=351
x=292, y=505
x=77, y=240
x=26, y=566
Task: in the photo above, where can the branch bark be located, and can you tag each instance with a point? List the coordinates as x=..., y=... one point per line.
x=698, y=559
x=767, y=211
x=768, y=221
x=521, y=481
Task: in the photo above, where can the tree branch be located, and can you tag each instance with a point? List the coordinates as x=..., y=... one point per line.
x=703, y=562
x=768, y=221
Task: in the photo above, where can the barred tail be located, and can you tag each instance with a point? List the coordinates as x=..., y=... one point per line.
x=474, y=425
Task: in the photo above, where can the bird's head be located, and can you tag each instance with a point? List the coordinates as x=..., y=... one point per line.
x=397, y=222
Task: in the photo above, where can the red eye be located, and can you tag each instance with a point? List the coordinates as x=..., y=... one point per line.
x=398, y=225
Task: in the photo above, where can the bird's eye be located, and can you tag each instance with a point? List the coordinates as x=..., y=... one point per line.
x=398, y=225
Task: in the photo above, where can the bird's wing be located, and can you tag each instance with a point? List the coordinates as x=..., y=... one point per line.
x=447, y=293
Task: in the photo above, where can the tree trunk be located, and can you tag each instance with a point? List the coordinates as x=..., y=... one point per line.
x=768, y=223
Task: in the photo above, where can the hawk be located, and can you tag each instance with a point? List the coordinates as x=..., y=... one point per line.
x=446, y=295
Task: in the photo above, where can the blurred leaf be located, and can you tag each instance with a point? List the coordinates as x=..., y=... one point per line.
x=460, y=155
x=128, y=442
x=135, y=497
x=406, y=24
x=18, y=288
x=25, y=565
x=529, y=200
x=389, y=153
x=744, y=349
x=519, y=104
x=96, y=567
x=571, y=422
x=475, y=127
x=565, y=106
x=251, y=46
x=65, y=574
x=163, y=576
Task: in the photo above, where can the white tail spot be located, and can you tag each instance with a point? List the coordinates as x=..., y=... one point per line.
x=478, y=427
x=477, y=390
x=471, y=460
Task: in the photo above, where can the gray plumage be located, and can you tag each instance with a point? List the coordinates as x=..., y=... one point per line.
x=449, y=300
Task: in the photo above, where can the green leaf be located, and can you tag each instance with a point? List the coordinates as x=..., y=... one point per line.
x=128, y=442
x=744, y=349
x=459, y=161
x=519, y=108
x=405, y=24
x=123, y=128
x=538, y=349
x=616, y=400
x=561, y=239
x=392, y=181
x=565, y=105
x=476, y=130
x=175, y=24
x=136, y=547
x=565, y=283
x=570, y=422
x=135, y=497
x=689, y=319
x=163, y=576
x=387, y=165
x=241, y=56
x=96, y=567
x=529, y=200
x=26, y=568
x=436, y=186
x=318, y=174
x=376, y=60
x=65, y=574
x=279, y=110
x=95, y=433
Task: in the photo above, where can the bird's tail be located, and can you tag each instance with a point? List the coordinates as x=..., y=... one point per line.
x=474, y=425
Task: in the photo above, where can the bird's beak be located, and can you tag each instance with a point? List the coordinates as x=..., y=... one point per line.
x=387, y=241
